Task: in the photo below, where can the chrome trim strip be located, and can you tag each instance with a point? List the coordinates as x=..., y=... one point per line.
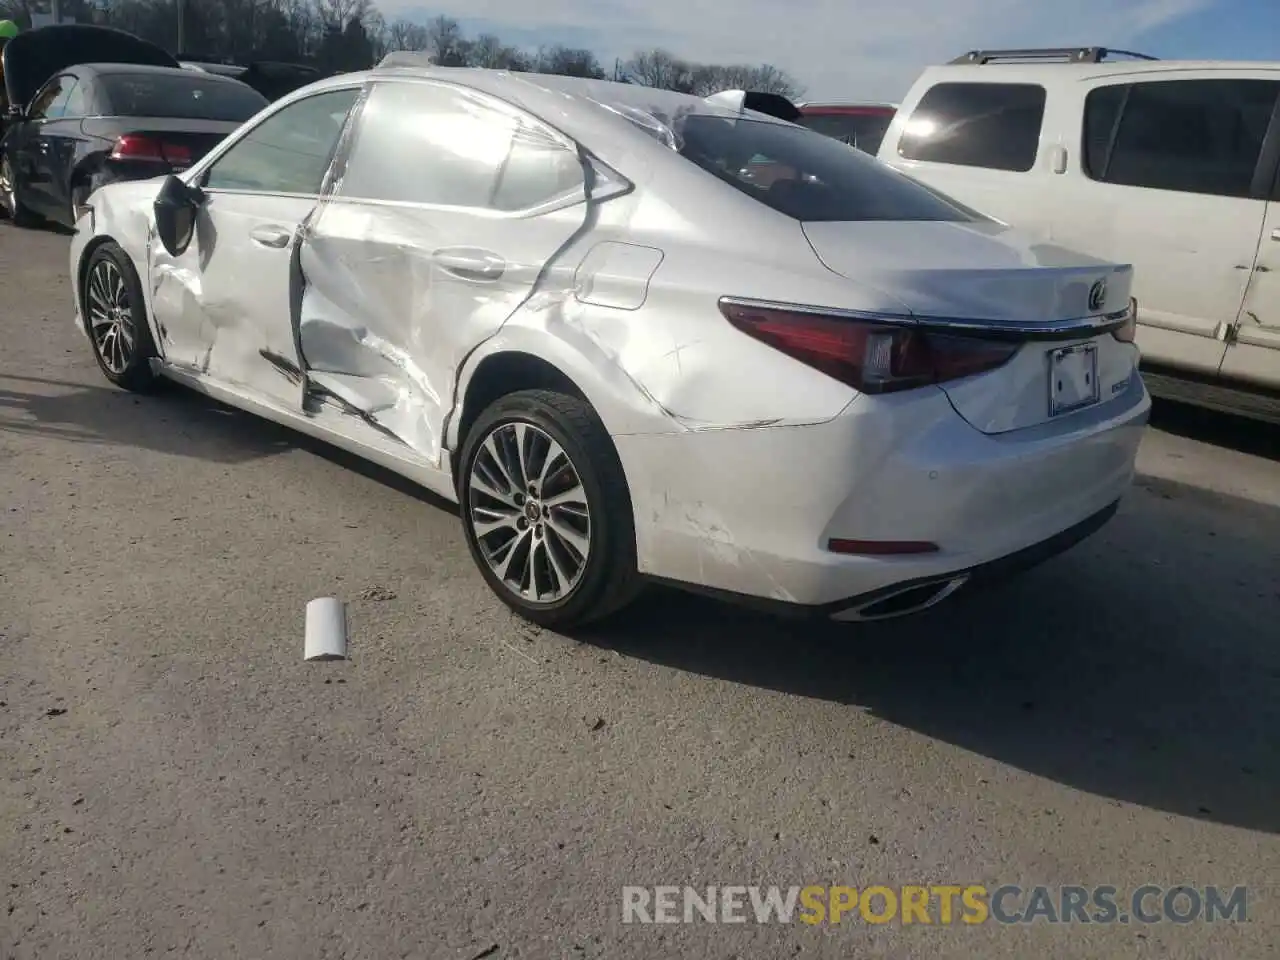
x=1190, y=328
x=990, y=329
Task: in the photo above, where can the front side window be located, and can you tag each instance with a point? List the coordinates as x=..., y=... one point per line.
x=289, y=152
x=1188, y=136
x=803, y=174
x=50, y=103
x=439, y=145
x=991, y=125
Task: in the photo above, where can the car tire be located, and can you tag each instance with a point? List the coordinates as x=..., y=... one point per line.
x=115, y=317
x=582, y=548
x=10, y=203
x=79, y=194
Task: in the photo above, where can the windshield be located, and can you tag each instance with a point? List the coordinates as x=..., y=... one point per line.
x=186, y=95
x=805, y=174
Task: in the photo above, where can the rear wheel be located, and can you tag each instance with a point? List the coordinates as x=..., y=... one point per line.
x=546, y=510
x=79, y=194
x=115, y=316
x=9, y=201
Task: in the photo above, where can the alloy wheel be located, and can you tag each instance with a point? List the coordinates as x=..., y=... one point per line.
x=529, y=512
x=8, y=192
x=110, y=316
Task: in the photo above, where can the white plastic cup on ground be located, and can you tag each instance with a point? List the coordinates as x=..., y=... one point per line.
x=326, y=630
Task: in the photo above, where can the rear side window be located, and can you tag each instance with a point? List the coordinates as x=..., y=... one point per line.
x=861, y=130
x=537, y=170
x=1188, y=136
x=185, y=95
x=806, y=175
x=439, y=145
x=991, y=125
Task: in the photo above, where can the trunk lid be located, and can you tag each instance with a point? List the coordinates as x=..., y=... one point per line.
x=987, y=272
x=33, y=57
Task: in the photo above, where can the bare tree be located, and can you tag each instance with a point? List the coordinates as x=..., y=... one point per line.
x=706, y=79
x=767, y=78
x=404, y=35
x=343, y=12
x=485, y=51
x=445, y=43
x=488, y=51
x=658, y=68
x=569, y=62
x=346, y=31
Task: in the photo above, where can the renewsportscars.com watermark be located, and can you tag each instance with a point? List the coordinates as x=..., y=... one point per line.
x=936, y=905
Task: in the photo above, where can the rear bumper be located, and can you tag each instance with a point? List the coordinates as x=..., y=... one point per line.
x=748, y=513
x=921, y=592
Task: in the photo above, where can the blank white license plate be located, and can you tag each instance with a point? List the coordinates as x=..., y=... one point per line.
x=1073, y=378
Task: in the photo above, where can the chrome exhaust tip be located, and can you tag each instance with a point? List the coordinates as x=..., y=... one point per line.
x=903, y=602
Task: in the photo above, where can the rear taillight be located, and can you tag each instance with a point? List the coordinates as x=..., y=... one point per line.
x=1128, y=331
x=868, y=356
x=133, y=146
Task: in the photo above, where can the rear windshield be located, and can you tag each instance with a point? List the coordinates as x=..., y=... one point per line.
x=186, y=96
x=806, y=175
x=861, y=130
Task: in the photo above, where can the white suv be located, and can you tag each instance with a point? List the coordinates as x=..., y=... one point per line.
x=1170, y=166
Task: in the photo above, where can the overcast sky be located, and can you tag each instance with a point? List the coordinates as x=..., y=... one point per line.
x=865, y=49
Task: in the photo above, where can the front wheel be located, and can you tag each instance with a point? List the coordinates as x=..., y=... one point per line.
x=10, y=202
x=115, y=316
x=546, y=510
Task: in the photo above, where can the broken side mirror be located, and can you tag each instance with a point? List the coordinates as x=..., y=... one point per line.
x=175, y=210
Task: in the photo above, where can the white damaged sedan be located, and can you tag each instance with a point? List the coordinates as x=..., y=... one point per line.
x=637, y=335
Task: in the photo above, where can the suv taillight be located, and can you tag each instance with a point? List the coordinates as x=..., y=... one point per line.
x=868, y=356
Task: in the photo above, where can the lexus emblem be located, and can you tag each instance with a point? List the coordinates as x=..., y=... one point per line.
x=1098, y=295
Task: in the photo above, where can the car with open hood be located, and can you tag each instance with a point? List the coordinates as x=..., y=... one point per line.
x=568, y=306
x=91, y=106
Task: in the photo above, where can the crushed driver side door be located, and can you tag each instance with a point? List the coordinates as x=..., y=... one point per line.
x=442, y=218
x=224, y=306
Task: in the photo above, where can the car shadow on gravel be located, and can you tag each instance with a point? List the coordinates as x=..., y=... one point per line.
x=1141, y=666
x=170, y=420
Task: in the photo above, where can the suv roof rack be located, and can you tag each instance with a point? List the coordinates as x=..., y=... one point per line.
x=1063, y=54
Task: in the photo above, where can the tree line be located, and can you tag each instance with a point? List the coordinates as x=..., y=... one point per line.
x=342, y=35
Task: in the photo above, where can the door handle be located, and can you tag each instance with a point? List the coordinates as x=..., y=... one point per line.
x=1275, y=234
x=477, y=266
x=271, y=236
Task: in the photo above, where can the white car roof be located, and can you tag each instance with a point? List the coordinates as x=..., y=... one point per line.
x=1068, y=72
x=572, y=104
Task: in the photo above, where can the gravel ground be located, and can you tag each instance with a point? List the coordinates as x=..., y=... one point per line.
x=175, y=780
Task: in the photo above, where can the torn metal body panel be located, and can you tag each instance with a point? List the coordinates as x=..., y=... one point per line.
x=224, y=307
x=395, y=298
